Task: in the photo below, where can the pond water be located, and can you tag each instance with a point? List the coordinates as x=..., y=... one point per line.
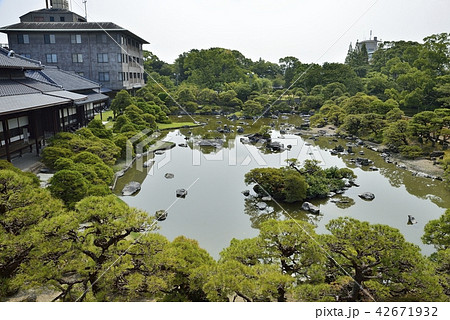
x=215, y=211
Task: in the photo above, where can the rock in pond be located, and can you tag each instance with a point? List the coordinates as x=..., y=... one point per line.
x=169, y=176
x=411, y=220
x=246, y=193
x=369, y=196
x=148, y=163
x=261, y=205
x=161, y=215
x=120, y=173
x=131, y=188
x=307, y=206
x=181, y=193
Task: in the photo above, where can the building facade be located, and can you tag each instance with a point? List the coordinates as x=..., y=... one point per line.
x=371, y=46
x=100, y=51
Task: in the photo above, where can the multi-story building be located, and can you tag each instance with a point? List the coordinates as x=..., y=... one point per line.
x=371, y=46
x=100, y=51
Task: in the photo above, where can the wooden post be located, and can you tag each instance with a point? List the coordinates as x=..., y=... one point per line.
x=6, y=134
x=36, y=134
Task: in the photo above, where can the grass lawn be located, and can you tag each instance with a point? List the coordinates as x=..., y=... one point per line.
x=105, y=115
x=161, y=126
x=164, y=126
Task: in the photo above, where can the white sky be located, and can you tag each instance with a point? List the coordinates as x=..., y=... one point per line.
x=311, y=30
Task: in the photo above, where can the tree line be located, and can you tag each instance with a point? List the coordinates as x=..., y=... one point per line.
x=399, y=98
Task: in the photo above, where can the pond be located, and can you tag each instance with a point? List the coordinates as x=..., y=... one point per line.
x=215, y=210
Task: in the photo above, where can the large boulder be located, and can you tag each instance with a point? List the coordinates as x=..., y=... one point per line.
x=307, y=206
x=275, y=146
x=149, y=163
x=369, y=196
x=363, y=161
x=261, y=205
x=131, y=188
x=437, y=154
x=161, y=215
x=181, y=193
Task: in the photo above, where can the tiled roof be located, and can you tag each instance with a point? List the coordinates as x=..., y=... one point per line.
x=15, y=61
x=67, y=94
x=67, y=80
x=95, y=97
x=24, y=102
x=38, y=85
x=68, y=26
x=25, y=86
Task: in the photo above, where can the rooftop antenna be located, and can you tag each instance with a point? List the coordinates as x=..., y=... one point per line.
x=370, y=35
x=85, y=9
x=46, y=3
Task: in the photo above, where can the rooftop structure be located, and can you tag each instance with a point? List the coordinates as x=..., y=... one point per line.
x=100, y=51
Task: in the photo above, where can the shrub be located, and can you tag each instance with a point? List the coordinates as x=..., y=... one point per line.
x=51, y=154
x=69, y=186
x=411, y=152
x=123, y=142
x=86, y=158
x=64, y=163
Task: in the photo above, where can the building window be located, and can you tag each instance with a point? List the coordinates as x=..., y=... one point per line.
x=101, y=38
x=121, y=76
x=75, y=38
x=77, y=58
x=52, y=19
x=39, y=19
x=102, y=58
x=23, y=38
x=62, y=19
x=119, y=58
x=26, y=55
x=49, y=38
x=52, y=58
x=103, y=76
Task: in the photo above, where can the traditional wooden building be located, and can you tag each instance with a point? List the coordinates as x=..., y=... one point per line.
x=95, y=102
x=34, y=107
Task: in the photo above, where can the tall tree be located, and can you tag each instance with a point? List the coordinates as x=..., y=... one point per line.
x=380, y=260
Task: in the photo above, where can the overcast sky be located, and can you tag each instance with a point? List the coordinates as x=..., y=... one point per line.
x=311, y=30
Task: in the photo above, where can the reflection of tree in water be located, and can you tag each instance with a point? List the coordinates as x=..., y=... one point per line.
x=274, y=211
x=343, y=202
x=395, y=177
x=259, y=216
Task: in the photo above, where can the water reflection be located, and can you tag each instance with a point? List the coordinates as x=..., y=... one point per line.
x=215, y=211
x=276, y=211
